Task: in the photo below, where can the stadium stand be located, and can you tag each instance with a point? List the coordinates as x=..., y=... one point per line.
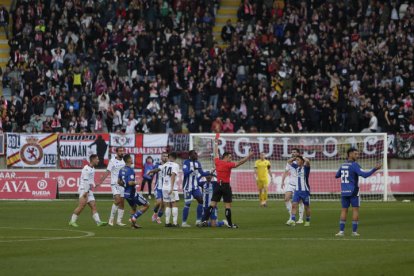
x=180, y=66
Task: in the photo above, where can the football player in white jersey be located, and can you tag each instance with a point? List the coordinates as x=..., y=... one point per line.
x=290, y=187
x=114, y=166
x=87, y=183
x=170, y=196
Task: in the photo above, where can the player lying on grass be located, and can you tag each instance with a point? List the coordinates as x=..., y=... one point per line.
x=86, y=196
x=302, y=188
x=349, y=172
x=126, y=178
x=207, y=184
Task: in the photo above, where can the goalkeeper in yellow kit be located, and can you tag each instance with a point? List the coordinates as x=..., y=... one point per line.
x=263, y=176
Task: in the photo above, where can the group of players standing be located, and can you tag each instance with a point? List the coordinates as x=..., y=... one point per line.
x=208, y=188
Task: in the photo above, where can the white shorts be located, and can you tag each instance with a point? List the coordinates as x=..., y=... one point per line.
x=117, y=190
x=173, y=197
x=289, y=188
x=91, y=197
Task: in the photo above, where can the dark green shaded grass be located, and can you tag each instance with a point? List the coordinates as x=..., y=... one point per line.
x=262, y=246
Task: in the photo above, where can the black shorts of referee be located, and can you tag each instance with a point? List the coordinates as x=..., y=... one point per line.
x=222, y=190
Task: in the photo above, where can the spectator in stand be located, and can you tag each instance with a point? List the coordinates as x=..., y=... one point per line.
x=228, y=126
x=4, y=20
x=227, y=31
x=217, y=125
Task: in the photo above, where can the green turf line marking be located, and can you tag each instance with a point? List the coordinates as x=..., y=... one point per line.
x=27, y=239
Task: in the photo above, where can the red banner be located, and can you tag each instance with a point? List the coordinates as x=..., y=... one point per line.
x=26, y=185
x=31, y=184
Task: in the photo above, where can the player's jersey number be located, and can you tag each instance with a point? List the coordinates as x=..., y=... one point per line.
x=344, y=176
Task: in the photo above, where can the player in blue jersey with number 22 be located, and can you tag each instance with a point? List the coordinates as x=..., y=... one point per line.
x=349, y=173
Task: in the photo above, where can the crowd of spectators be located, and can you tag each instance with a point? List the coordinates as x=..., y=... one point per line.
x=153, y=66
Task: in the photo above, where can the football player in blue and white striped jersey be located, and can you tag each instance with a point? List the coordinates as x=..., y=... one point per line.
x=302, y=188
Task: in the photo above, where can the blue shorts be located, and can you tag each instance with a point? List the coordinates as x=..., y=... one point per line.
x=301, y=195
x=213, y=215
x=350, y=200
x=158, y=194
x=189, y=195
x=137, y=200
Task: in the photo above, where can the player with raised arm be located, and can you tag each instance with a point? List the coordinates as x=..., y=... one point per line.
x=290, y=188
x=223, y=189
x=126, y=178
x=114, y=166
x=192, y=171
x=262, y=174
x=170, y=189
x=349, y=172
x=302, y=188
x=207, y=184
x=86, y=197
x=159, y=208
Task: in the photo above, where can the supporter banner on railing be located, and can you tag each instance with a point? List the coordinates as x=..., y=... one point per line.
x=27, y=184
x=2, y=144
x=179, y=143
x=140, y=146
x=405, y=145
x=75, y=149
x=31, y=150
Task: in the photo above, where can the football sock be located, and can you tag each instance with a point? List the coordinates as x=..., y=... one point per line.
x=120, y=215
x=293, y=217
x=96, y=218
x=199, y=211
x=74, y=218
x=167, y=215
x=160, y=213
x=342, y=225
x=186, y=210
x=113, y=211
x=301, y=210
x=354, y=225
x=220, y=224
x=265, y=195
x=207, y=213
x=308, y=218
x=137, y=214
x=175, y=215
x=288, y=206
x=228, y=216
x=156, y=209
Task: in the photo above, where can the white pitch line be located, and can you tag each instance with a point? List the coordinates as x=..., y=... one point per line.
x=26, y=239
x=256, y=239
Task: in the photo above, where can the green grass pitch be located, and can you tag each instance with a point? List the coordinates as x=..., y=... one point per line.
x=36, y=240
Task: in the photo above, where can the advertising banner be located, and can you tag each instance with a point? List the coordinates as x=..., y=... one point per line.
x=26, y=184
